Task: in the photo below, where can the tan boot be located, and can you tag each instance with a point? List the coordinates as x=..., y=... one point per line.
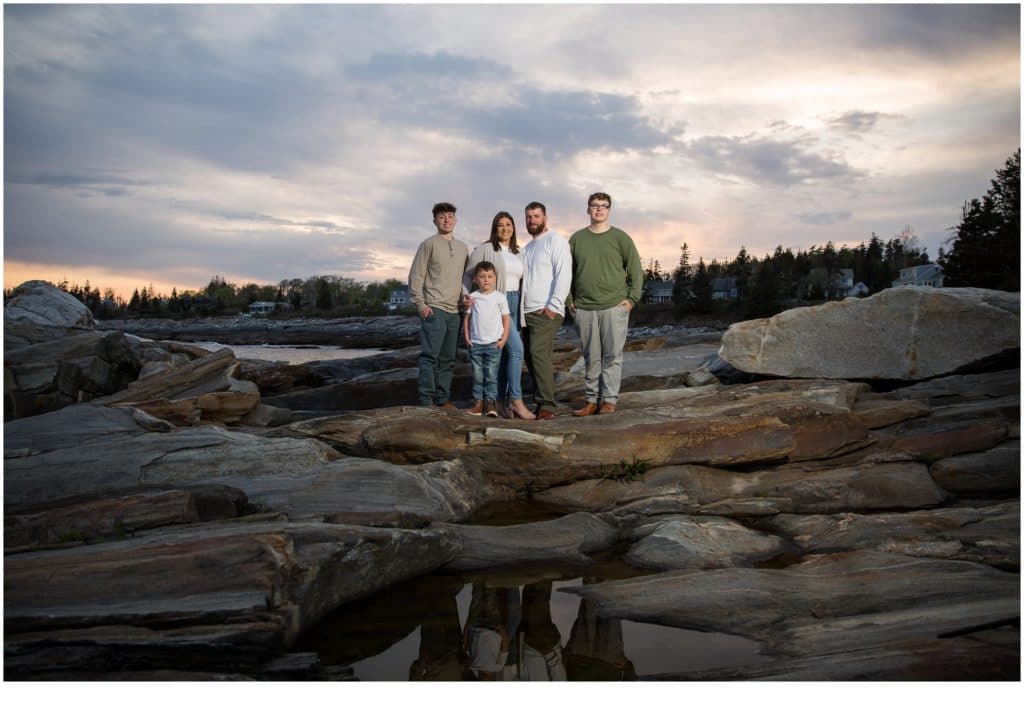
x=478, y=408
x=519, y=410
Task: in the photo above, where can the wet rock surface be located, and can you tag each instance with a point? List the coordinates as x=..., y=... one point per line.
x=175, y=518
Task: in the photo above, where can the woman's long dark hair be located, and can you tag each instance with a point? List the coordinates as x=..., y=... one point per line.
x=513, y=245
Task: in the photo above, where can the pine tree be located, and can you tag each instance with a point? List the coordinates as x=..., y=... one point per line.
x=985, y=250
x=701, y=288
x=682, y=279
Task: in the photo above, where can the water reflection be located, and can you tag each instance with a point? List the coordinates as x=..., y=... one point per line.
x=504, y=627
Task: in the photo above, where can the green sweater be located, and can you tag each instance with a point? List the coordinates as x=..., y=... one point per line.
x=606, y=269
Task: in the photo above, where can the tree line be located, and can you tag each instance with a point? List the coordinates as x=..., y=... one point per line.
x=983, y=251
x=318, y=294
x=756, y=287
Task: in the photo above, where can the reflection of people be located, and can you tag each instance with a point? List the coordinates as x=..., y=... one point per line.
x=547, y=275
x=595, y=651
x=540, y=650
x=502, y=249
x=440, y=642
x=607, y=281
x=486, y=330
x=485, y=636
x=435, y=286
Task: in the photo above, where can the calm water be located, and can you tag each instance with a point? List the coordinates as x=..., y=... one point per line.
x=417, y=631
x=293, y=355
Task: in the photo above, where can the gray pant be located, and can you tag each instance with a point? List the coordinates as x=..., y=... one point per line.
x=602, y=335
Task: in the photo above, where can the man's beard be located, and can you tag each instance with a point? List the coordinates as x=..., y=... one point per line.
x=535, y=229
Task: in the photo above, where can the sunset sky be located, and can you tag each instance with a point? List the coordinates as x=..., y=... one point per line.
x=167, y=144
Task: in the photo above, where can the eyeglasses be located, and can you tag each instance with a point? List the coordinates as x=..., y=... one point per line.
x=600, y=206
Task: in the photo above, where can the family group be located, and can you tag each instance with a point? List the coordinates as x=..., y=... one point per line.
x=507, y=302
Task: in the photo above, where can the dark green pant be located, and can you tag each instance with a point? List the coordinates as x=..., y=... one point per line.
x=539, y=338
x=439, y=337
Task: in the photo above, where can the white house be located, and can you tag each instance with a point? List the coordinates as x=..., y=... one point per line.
x=724, y=288
x=399, y=298
x=658, y=291
x=929, y=275
x=262, y=307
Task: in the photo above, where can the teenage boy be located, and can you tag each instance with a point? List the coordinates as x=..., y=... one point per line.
x=435, y=287
x=607, y=280
x=486, y=328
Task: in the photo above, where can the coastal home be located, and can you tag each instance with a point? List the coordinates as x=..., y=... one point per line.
x=399, y=298
x=724, y=288
x=929, y=275
x=842, y=285
x=262, y=308
x=658, y=291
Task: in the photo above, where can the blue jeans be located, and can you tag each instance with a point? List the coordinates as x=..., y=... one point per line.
x=510, y=372
x=439, y=337
x=485, y=359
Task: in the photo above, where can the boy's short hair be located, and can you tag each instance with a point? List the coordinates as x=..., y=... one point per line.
x=484, y=265
x=601, y=196
x=442, y=207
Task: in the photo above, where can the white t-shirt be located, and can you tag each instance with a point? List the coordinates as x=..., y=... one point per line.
x=513, y=269
x=485, y=324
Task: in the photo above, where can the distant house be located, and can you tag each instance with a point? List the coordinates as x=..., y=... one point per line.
x=724, y=288
x=842, y=285
x=928, y=275
x=264, y=308
x=399, y=298
x=658, y=291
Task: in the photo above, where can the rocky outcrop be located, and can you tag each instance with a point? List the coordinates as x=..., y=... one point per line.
x=825, y=604
x=700, y=542
x=87, y=450
x=238, y=592
x=566, y=541
x=927, y=332
x=204, y=389
x=985, y=534
x=39, y=312
x=47, y=376
x=839, y=522
x=351, y=332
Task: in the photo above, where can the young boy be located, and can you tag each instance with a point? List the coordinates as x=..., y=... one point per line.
x=485, y=329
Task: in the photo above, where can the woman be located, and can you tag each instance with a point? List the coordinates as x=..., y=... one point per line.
x=503, y=250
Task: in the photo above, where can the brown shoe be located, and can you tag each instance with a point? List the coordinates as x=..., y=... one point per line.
x=545, y=415
x=519, y=411
x=607, y=408
x=589, y=409
x=447, y=405
x=478, y=408
x=490, y=409
x=504, y=411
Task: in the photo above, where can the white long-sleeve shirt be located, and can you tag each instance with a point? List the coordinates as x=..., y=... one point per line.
x=547, y=273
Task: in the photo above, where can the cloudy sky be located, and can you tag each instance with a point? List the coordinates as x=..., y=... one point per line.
x=167, y=144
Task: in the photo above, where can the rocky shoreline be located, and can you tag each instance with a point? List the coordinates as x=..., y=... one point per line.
x=245, y=501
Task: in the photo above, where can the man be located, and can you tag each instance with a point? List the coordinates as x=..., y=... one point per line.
x=607, y=281
x=435, y=287
x=547, y=274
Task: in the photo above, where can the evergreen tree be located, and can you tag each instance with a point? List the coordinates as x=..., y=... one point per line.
x=682, y=280
x=741, y=268
x=985, y=250
x=701, y=288
x=323, y=294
